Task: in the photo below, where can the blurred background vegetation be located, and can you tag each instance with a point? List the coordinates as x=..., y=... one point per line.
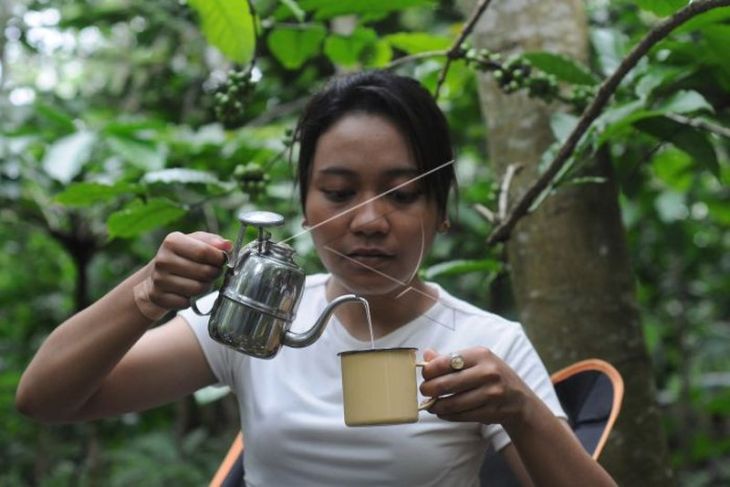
x=115, y=130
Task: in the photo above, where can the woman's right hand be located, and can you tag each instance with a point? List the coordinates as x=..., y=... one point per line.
x=185, y=266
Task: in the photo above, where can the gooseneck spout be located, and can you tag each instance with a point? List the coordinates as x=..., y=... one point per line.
x=304, y=339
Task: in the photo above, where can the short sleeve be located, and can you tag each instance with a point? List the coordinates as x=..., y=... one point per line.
x=517, y=351
x=219, y=357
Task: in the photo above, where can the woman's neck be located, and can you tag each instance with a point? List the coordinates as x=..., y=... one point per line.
x=388, y=312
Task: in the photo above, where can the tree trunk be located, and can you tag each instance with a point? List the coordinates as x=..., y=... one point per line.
x=570, y=269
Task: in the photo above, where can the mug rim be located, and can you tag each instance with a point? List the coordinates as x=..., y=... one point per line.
x=369, y=350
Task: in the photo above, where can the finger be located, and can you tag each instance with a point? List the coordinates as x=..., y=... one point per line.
x=195, y=248
x=429, y=354
x=441, y=364
x=170, y=263
x=488, y=402
x=171, y=301
x=461, y=381
x=212, y=239
x=182, y=286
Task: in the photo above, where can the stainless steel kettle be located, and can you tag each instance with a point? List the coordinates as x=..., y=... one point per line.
x=260, y=294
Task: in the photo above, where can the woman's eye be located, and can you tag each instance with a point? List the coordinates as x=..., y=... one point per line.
x=337, y=195
x=405, y=197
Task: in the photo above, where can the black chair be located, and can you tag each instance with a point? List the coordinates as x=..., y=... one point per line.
x=590, y=391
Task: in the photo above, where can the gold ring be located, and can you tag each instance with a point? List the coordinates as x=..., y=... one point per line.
x=457, y=361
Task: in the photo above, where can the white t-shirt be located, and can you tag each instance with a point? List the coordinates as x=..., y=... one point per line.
x=291, y=405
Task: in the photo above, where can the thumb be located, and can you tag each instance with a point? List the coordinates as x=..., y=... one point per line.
x=429, y=354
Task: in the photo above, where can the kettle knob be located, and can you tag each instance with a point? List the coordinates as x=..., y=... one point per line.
x=260, y=219
x=255, y=218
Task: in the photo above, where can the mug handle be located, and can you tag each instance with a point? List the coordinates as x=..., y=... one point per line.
x=428, y=402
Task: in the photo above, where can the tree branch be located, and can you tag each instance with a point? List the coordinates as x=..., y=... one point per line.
x=608, y=87
x=454, y=51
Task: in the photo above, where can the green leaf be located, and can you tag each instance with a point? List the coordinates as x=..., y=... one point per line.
x=294, y=45
x=719, y=211
x=326, y=9
x=685, y=101
x=294, y=9
x=457, y=267
x=562, y=124
x=139, y=217
x=129, y=128
x=703, y=20
x=86, y=194
x=688, y=139
x=140, y=153
x=661, y=7
x=378, y=54
x=415, y=42
x=674, y=168
x=182, y=176
x=55, y=116
x=618, y=118
x=64, y=159
x=562, y=67
x=229, y=26
x=347, y=50
x=610, y=47
x=655, y=77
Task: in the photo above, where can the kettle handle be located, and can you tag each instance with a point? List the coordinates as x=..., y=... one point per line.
x=229, y=268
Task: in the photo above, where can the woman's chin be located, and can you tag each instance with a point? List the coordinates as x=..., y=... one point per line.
x=370, y=284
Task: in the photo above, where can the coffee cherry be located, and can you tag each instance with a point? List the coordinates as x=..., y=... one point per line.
x=251, y=179
x=229, y=101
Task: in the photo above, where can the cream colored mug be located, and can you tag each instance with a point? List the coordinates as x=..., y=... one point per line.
x=379, y=386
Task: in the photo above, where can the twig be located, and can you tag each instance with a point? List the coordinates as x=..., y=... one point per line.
x=486, y=213
x=454, y=51
x=607, y=88
x=415, y=57
x=699, y=123
x=512, y=169
x=278, y=111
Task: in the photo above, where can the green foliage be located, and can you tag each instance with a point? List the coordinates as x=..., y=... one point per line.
x=661, y=7
x=228, y=25
x=134, y=139
x=368, y=9
x=139, y=217
x=415, y=42
x=562, y=67
x=294, y=45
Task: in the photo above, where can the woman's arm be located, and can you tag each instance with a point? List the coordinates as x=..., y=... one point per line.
x=102, y=361
x=488, y=391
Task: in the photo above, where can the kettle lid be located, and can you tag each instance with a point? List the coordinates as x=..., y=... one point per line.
x=259, y=218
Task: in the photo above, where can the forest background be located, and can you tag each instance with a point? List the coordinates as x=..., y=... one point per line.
x=122, y=120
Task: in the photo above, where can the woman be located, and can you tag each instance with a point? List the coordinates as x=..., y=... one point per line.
x=374, y=175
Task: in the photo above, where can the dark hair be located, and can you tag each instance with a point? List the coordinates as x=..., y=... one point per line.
x=401, y=100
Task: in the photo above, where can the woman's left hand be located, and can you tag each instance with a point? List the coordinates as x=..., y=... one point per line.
x=485, y=390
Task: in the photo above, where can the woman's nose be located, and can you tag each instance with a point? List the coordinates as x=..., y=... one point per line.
x=370, y=217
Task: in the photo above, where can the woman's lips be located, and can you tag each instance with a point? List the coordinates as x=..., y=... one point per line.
x=370, y=258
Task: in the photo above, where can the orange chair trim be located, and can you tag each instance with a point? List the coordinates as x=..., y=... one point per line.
x=618, y=391
x=227, y=464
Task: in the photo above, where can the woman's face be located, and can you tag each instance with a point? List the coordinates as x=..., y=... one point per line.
x=371, y=240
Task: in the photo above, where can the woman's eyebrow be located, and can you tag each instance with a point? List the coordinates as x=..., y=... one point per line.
x=406, y=171
x=402, y=172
